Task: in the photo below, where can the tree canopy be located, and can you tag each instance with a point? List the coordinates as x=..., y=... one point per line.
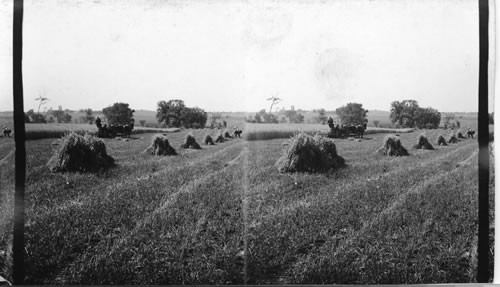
x=352, y=114
x=88, y=116
x=408, y=113
x=32, y=117
x=118, y=114
x=61, y=116
x=294, y=117
x=175, y=113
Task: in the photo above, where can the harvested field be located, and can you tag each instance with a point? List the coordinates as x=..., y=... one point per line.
x=226, y=215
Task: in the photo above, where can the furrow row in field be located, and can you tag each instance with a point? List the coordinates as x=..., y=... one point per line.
x=334, y=210
x=74, y=187
x=98, y=213
x=5, y=159
x=183, y=233
x=349, y=177
x=426, y=236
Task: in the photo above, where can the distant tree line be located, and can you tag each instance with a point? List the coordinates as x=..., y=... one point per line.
x=175, y=113
x=262, y=117
x=409, y=114
x=52, y=116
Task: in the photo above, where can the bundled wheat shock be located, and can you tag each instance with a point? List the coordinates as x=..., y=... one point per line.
x=190, y=142
x=208, y=140
x=423, y=143
x=160, y=146
x=393, y=147
x=85, y=153
x=306, y=153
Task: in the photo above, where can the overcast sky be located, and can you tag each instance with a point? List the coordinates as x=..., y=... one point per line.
x=232, y=55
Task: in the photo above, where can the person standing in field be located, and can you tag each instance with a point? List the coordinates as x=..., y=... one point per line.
x=98, y=122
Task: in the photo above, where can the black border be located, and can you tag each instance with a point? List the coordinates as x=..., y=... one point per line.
x=483, y=274
x=18, y=272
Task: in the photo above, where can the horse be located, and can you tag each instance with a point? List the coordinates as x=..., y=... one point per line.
x=123, y=130
x=353, y=130
x=237, y=132
x=6, y=132
x=470, y=133
x=360, y=130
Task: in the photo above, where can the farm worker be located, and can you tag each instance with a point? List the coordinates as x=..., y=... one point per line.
x=330, y=122
x=98, y=122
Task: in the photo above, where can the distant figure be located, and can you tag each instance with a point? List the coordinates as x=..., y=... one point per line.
x=6, y=132
x=98, y=122
x=237, y=132
x=330, y=122
x=470, y=133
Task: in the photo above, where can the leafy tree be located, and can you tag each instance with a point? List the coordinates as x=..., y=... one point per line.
x=34, y=118
x=409, y=114
x=265, y=117
x=61, y=116
x=193, y=118
x=142, y=122
x=257, y=118
x=88, y=116
x=270, y=118
x=174, y=113
x=352, y=113
x=170, y=112
x=118, y=114
x=427, y=118
x=294, y=117
x=404, y=113
x=376, y=122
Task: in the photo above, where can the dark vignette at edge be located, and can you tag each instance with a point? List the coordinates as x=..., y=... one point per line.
x=483, y=137
x=19, y=137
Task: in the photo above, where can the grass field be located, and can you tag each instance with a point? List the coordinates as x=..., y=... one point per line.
x=224, y=215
